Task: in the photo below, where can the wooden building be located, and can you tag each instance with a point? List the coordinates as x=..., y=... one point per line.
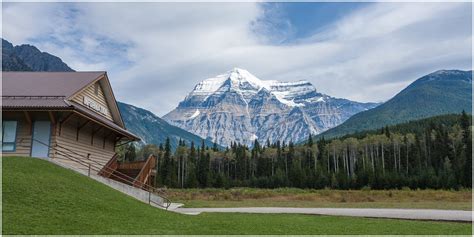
x=59, y=114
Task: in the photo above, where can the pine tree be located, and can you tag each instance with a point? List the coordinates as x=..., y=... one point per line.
x=130, y=152
x=467, y=140
x=310, y=141
x=166, y=168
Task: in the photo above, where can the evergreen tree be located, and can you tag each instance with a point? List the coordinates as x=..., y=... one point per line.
x=130, y=152
x=467, y=140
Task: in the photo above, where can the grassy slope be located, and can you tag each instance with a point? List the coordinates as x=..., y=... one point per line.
x=41, y=198
x=292, y=197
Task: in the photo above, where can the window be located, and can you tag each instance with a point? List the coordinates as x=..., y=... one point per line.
x=9, y=135
x=96, y=88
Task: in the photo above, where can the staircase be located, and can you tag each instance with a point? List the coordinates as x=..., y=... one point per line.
x=123, y=174
x=131, y=181
x=138, y=173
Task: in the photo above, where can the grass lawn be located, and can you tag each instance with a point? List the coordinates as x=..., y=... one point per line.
x=41, y=198
x=292, y=197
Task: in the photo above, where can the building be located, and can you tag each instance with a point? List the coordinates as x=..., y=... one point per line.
x=59, y=115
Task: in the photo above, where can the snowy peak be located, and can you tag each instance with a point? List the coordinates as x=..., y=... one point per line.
x=235, y=79
x=236, y=106
x=243, y=82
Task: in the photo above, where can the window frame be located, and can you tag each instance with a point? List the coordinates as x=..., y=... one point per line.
x=14, y=140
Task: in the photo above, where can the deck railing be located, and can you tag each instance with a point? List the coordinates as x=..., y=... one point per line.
x=105, y=171
x=144, y=175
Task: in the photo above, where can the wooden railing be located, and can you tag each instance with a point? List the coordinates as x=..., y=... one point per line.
x=134, y=165
x=111, y=165
x=145, y=172
x=95, y=167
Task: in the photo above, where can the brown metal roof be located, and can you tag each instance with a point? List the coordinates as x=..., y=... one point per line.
x=46, y=83
x=51, y=90
x=34, y=102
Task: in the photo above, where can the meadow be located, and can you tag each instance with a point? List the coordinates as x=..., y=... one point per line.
x=42, y=198
x=294, y=197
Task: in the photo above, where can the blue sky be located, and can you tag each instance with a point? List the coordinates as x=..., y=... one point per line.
x=156, y=52
x=305, y=19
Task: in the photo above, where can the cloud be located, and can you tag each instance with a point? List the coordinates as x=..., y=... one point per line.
x=156, y=52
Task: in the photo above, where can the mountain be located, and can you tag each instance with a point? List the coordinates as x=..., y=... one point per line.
x=441, y=92
x=10, y=61
x=154, y=130
x=238, y=107
x=29, y=58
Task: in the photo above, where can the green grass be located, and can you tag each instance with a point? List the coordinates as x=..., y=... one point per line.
x=293, y=197
x=41, y=198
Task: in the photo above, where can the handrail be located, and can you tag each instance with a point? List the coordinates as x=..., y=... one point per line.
x=129, y=180
x=109, y=164
x=125, y=179
x=149, y=188
x=145, y=171
x=145, y=185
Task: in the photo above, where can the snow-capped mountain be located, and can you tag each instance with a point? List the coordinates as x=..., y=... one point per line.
x=238, y=107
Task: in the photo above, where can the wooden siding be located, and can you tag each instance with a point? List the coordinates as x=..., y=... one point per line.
x=24, y=131
x=83, y=146
x=101, y=150
x=100, y=99
x=23, y=134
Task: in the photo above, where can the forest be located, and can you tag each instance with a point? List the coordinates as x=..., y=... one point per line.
x=433, y=153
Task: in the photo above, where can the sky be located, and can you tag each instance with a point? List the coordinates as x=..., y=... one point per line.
x=155, y=53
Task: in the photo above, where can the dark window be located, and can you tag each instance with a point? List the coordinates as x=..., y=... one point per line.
x=9, y=135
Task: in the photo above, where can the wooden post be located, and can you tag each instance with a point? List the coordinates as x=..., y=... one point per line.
x=79, y=129
x=51, y=117
x=69, y=116
x=93, y=133
x=30, y=122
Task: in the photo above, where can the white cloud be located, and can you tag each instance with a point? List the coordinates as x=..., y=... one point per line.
x=156, y=52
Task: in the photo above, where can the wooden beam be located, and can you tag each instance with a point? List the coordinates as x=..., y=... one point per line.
x=27, y=116
x=52, y=118
x=105, y=137
x=65, y=119
x=69, y=116
x=79, y=129
x=94, y=132
x=30, y=122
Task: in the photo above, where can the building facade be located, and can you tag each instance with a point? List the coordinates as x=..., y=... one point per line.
x=59, y=115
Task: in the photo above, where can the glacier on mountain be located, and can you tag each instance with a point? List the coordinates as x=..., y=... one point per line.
x=238, y=107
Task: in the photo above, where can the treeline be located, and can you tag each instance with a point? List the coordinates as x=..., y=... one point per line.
x=434, y=153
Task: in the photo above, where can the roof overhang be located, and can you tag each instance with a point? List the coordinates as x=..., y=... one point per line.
x=81, y=111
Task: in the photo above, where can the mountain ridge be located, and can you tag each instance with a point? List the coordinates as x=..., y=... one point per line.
x=153, y=129
x=236, y=106
x=29, y=58
x=12, y=61
x=440, y=92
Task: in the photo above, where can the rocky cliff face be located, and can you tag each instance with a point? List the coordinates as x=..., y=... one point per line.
x=238, y=107
x=29, y=58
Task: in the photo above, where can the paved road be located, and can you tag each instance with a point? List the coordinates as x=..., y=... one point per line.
x=412, y=214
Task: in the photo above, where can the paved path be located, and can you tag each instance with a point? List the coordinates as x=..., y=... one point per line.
x=412, y=214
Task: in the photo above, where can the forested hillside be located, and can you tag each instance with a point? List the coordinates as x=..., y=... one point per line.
x=438, y=93
x=152, y=129
x=429, y=153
